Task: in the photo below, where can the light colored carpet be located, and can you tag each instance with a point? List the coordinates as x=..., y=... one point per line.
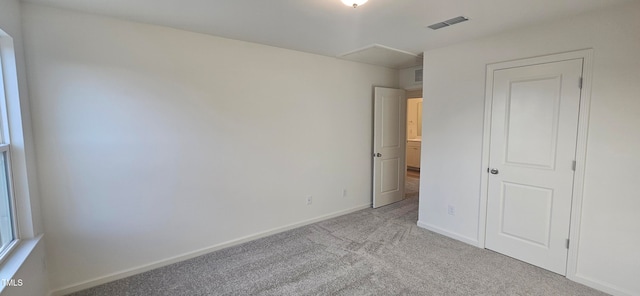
x=370, y=252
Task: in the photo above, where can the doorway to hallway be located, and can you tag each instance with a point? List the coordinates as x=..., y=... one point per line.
x=412, y=183
x=414, y=143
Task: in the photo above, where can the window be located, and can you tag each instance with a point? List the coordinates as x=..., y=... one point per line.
x=6, y=205
x=7, y=216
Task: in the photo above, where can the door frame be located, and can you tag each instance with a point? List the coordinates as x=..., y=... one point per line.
x=581, y=146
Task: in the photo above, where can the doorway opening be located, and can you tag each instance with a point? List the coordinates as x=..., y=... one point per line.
x=391, y=178
x=414, y=143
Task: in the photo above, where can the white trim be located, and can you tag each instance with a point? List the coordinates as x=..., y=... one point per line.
x=602, y=286
x=581, y=145
x=24, y=218
x=581, y=159
x=450, y=234
x=164, y=262
x=8, y=252
x=23, y=203
x=5, y=45
x=486, y=140
x=19, y=254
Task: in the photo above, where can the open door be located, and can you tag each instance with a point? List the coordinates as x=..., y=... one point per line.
x=390, y=111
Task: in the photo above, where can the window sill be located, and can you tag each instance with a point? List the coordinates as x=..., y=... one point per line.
x=15, y=259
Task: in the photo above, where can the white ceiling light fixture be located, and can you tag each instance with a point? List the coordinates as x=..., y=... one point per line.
x=354, y=3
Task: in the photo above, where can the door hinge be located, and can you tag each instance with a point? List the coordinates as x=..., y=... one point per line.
x=573, y=166
x=580, y=83
x=567, y=243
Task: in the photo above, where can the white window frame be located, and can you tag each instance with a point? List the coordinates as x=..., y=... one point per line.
x=23, y=224
x=5, y=147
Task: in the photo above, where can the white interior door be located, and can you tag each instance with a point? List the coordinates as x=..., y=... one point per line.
x=534, y=122
x=390, y=109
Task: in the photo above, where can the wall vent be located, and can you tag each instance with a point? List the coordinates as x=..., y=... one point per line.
x=449, y=22
x=417, y=76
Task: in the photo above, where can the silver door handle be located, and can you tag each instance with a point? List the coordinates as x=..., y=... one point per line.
x=494, y=171
x=377, y=155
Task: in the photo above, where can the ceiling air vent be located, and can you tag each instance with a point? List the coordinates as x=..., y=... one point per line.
x=449, y=22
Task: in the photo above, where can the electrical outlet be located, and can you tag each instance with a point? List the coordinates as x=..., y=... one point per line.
x=344, y=192
x=309, y=200
x=451, y=210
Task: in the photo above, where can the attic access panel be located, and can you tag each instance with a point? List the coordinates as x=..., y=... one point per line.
x=381, y=55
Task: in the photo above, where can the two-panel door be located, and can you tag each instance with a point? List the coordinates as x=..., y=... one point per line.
x=534, y=122
x=389, y=167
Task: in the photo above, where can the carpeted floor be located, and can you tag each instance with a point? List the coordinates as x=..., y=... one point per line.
x=370, y=252
x=412, y=185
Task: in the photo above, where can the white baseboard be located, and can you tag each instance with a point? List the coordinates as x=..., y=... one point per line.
x=602, y=286
x=453, y=235
x=598, y=285
x=143, y=268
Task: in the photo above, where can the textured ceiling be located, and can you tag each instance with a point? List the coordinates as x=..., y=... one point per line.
x=328, y=27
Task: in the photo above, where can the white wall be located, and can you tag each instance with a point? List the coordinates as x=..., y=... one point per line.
x=155, y=142
x=25, y=184
x=454, y=84
x=407, y=78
